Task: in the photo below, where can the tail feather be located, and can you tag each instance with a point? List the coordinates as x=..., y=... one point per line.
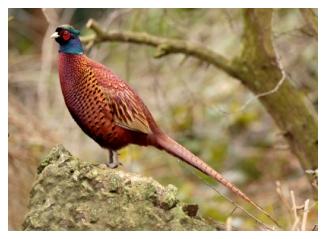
x=172, y=147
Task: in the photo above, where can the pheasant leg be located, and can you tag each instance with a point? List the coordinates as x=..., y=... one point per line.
x=113, y=160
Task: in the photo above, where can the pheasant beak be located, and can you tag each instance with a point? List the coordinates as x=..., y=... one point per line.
x=54, y=35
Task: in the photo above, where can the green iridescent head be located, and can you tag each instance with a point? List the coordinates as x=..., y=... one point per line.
x=68, y=39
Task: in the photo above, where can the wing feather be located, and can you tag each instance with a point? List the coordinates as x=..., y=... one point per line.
x=124, y=103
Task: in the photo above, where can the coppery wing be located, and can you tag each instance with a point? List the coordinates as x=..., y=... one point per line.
x=127, y=113
x=125, y=105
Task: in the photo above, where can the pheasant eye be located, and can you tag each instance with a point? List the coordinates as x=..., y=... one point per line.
x=66, y=35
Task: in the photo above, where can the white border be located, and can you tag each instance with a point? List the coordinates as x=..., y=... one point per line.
x=166, y=3
x=152, y=4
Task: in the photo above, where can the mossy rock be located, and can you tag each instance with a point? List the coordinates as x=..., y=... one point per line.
x=70, y=194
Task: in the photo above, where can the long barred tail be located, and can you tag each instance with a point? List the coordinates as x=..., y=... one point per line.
x=172, y=147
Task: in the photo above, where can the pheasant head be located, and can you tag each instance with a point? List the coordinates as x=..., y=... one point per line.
x=68, y=39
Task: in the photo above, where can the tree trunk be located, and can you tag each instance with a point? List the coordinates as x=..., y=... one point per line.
x=261, y=72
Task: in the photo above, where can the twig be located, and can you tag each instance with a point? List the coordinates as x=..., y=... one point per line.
x=164, y=46
x=228, y=224
x=305, y=215
x=272, y=91
x=257, y=96
x=294, y=209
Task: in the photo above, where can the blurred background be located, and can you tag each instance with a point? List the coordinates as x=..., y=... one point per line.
x=193, y=102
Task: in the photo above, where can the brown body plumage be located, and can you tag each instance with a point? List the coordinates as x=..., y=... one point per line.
x=104, y=106
x=110, y=111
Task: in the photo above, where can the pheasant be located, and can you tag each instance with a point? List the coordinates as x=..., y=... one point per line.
x=110, y=112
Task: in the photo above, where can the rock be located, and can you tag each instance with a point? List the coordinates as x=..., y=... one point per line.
x=70, y=194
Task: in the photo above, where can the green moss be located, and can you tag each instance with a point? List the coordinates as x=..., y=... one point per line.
x=73, y=195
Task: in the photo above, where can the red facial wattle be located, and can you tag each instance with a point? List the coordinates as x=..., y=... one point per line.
x=65, y=35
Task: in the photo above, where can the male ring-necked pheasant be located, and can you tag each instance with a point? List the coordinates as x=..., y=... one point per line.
x=109, y=111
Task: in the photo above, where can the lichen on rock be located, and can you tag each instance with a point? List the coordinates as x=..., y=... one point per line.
x=70, y=194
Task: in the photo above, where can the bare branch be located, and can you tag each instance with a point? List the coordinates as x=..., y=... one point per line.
x=164, y=46
x=305, y=215
x=295, y=214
